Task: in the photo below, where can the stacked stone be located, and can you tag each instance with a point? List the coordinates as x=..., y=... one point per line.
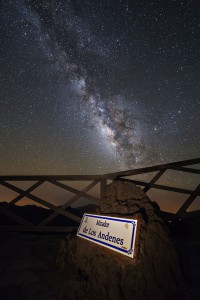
x=100, y=273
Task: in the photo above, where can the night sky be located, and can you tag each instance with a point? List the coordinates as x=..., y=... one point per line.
x=98, y=86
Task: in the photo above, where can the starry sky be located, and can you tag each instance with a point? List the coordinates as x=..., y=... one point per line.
x=98, y=86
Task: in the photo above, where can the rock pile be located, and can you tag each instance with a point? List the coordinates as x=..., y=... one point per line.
x=100, y=273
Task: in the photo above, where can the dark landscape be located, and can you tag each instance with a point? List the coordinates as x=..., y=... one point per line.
x=187, y=229
x=99, y=105
x=28, y=268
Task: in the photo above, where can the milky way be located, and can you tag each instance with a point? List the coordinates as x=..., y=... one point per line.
x=105, y=112
x=99, y=85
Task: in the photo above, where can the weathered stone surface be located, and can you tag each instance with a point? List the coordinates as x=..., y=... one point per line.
x=124, y=197
x=99, y=273
x=123, y=190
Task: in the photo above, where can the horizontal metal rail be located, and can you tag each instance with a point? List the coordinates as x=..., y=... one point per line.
x=155, y=168
x=57, y=180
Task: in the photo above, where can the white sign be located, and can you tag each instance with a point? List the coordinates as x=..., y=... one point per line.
x=117, y=234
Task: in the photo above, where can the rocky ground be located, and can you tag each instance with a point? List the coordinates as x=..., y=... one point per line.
x=155, y=271
x=189, y=252
x=28, y=268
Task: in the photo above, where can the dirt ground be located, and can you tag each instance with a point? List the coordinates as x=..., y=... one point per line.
x=28, y=268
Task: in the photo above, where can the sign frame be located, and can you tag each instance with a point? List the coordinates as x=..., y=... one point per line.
x=130, y=251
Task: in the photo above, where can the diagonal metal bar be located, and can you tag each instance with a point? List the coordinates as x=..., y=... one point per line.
x=189, y=170
x=103, y=187
x=50, y=177
x=190, y=214
x=55, y=179
x=30, y=189
x=152, y=169
x=188, y=201
x=72, y=200
x=75, y=191
x=158, y=175
x=41, y=201
x=162, y=187
x=172, y=189
x=15, y=217
x=98, y=177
